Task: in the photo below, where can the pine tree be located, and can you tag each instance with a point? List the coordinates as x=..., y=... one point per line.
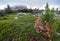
x=46, y=16
x=49, y=14
x=49, y=17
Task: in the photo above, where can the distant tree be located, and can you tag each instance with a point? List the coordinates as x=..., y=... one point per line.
x=25, y=10
x=2, y=13
x=57, y=11
x=8, y=9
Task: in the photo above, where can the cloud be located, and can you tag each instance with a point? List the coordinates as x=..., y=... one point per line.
x=51, y=6
x=2, y=6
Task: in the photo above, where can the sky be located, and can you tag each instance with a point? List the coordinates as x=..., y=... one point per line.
x=31, y=3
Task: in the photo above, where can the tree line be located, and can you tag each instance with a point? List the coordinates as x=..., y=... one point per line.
x=9, y=10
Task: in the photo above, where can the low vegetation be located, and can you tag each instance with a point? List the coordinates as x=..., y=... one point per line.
x=21, y=28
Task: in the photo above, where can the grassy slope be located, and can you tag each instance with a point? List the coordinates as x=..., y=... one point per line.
x=18, y=29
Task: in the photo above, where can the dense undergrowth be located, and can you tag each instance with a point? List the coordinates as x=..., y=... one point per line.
x=21, y=29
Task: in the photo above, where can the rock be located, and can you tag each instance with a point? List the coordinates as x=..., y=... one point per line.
x=16, y=17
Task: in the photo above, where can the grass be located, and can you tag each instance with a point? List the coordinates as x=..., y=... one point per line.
x=19, y=29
